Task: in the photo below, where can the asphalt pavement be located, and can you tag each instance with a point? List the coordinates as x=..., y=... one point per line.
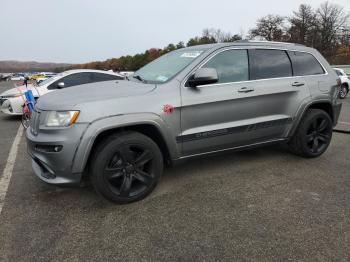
x=259, y=205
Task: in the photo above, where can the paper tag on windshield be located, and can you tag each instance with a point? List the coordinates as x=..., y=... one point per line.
x=162, y=78
x=191, y=54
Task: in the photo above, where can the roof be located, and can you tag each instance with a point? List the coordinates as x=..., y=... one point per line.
x=248, y=43
x=91, y=71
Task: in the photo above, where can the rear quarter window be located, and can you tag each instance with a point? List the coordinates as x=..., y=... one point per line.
x=99, y=77
x=305, y=64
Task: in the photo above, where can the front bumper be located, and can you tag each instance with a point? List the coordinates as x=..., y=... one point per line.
x=55, y=167
x=11, y=106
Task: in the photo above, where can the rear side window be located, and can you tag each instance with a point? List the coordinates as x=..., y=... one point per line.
x=305, y=64
x=338, y=72
x=77, y=79
x=265, y=63
x=231, y=65
x=99, y=77
x=73, y=80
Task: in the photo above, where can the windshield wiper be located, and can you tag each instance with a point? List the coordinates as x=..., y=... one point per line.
x=139, y=78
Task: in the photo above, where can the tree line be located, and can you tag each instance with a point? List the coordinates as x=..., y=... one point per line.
x=326, y=28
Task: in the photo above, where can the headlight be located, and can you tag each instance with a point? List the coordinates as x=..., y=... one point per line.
x=61, y=118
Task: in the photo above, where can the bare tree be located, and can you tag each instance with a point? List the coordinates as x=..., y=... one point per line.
x=217, y=34
x=331, y=20
x=270, y=27
x=303, y=25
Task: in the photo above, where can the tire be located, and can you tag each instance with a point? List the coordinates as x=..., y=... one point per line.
x=343, y=91
x=313, y=135
x=126, y=167
x=25, y=120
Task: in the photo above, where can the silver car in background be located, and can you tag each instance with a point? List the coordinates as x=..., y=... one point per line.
x=188, y=103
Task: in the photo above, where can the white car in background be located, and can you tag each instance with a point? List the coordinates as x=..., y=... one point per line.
x=17, y=78
x=11, y=101
x=345, y=82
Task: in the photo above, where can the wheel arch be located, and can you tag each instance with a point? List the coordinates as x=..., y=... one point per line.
x=147, y=129
x=324, y=105
x=98, y=130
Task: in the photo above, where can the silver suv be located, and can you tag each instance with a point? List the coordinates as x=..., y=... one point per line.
x=190, y=102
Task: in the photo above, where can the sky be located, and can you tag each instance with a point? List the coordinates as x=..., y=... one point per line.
x=78, y=31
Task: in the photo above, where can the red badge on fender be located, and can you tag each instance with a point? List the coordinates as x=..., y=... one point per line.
x=168, y=109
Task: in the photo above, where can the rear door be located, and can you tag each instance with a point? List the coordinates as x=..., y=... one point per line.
x=250, y=104
x=307, y=67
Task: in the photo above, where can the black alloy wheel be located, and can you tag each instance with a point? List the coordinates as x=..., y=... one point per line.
x=129, y=171
x=319, y=134
x=313, y=135
x=126, y=167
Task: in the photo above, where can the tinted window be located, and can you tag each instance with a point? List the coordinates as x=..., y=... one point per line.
x=73, y=80
x=77, y=79
x=99, y=77
x=231, y=65
x=338, y=72
x=305, y=64
x=266, y=63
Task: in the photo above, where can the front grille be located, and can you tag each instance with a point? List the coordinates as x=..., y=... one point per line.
x=2, y=100
x=35, y=122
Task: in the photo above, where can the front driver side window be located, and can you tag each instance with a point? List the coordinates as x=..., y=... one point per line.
x=231, y=65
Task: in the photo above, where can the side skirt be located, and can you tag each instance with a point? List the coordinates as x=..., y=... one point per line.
x=237, y=148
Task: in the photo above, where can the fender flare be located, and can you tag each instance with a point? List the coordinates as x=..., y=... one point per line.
x=98, y=126
x=303, y=110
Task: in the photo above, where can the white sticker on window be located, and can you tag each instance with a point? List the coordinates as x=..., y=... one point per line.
x=191, y=54
x=162, y=78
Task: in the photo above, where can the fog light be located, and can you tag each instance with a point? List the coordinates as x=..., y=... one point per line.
x=49, y=148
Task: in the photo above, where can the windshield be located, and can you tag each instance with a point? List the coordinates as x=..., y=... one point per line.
x=167, y=66
x=51, y=79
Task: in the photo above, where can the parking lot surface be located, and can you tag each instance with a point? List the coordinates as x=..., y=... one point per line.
x=259, y=205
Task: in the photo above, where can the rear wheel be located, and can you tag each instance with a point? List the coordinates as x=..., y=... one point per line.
x=343, y=91
x=126, y=167
x=313, y=135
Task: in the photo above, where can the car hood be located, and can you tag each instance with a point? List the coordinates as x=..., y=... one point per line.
x=20, y=89
x=102, y=91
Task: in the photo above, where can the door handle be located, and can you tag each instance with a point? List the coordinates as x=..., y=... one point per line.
x=298, y=84
x=245, y=90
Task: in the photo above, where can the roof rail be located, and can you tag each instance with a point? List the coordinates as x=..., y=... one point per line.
x=266, y=42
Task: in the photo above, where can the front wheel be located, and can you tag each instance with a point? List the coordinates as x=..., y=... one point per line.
x=25, y=119
x=313, y=135
x=126, y=167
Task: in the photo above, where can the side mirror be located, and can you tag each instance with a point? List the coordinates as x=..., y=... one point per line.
x=204, y=76
x=60, y=85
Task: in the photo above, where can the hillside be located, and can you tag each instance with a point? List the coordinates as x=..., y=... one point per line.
x=30, y=66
